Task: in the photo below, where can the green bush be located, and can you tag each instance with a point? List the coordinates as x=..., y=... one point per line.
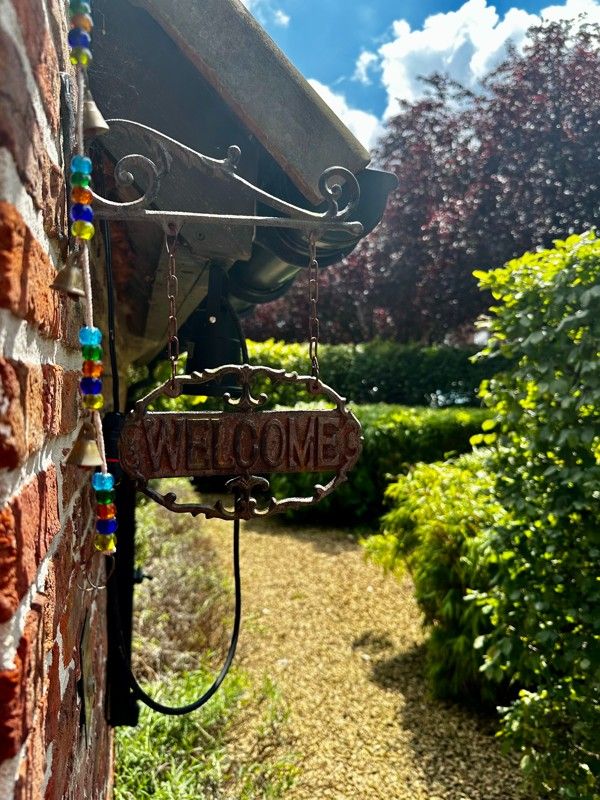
x=394, y=438
x=545, y=596
x=435, y=530
x=384, y=372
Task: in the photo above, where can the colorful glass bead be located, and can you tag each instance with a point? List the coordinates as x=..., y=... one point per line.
x=81, y=195
x=107, y=511
x=92, y=369
x=81, y=164
x=90, y=335
x=83, y=21
x=105, y=544
x=79, y=7
x=106, y=526
x=91, y=352
x=105, y=496
x=90, y=386
x=83, y=230
x=81, y=56
x=103, y=481
x=79, y=211
x=80, y=179
x=79, y=38
x=93, y=402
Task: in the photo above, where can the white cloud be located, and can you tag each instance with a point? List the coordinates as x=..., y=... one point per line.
x=366, y=127
x=281, y=18
x=265, y=11
x=465, y=44
x=364, y=65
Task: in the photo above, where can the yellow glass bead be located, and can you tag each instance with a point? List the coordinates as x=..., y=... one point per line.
x=106, y=544
x=93, y=402
x=83, y=230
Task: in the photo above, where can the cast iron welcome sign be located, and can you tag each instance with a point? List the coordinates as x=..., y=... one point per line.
x=243, y=442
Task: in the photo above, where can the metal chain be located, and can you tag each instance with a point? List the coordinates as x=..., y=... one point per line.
x=172, y=290
x=313, y=300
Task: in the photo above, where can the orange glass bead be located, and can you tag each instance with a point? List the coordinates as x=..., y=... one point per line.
x=92, y=369
x=81, y=195
x=83, y=21
x=106, y=512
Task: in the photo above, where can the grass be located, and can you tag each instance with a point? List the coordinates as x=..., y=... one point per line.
x=235, y=747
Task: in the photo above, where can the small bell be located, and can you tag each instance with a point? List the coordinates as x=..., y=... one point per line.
x=69, y=280
x=94, y=123
x=85, y=451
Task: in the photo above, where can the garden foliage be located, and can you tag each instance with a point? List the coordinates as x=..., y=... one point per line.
x=435, y=529
x=394, y=438
x=482, y=176
x=382, y=371
x=545, y=597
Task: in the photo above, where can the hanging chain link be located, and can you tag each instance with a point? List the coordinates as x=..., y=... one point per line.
x=313, y=300
x=172, y=290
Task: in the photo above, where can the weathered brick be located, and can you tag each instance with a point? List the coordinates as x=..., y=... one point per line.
x=26, y=273
x=13, y=443
x=42, y=56
x=21, y=135
x=32, y=402
x=21, y=687
x=9, y=597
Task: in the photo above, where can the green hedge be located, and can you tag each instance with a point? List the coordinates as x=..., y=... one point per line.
x=384, y=372
x=436, y=529
x=394, y=438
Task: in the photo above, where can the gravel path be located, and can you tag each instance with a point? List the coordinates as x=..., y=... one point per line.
x=344, y=644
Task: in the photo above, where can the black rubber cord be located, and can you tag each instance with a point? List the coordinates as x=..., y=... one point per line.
x=145, y=698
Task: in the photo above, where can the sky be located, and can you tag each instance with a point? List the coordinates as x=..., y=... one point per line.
x=362, y=55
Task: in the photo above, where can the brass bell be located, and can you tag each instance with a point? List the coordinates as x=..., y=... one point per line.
x=85, y=451
x=94, y=123
x=69, y=280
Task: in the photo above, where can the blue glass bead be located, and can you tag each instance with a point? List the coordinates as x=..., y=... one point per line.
x=79, y=38
x=81, y=164
x=103, y=481
x=90, y=386
x=90, y=336
x=106, y=526
x=79, y=211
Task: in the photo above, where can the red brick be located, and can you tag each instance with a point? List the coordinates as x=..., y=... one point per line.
x=69, y=402
x=32, y=402
x=13, y=444
x=9, y=597
x=42, y=56
x=26, y=273
x=20, y=688
x=20, y=134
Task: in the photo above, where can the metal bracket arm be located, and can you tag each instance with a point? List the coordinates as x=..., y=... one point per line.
x=333, y=182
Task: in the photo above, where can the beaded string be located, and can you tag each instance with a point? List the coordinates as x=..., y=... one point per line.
x=82, y=228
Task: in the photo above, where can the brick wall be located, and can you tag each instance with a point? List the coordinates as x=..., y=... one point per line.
x=52, y=634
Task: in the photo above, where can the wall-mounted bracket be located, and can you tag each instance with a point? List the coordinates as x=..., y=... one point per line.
x=334, y=183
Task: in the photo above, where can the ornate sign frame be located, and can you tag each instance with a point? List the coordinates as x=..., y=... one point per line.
x=239, y=442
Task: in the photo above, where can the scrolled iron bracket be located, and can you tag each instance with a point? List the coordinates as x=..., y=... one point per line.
x=333, y=183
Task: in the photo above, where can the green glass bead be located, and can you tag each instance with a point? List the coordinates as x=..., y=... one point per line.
x=105, y=497
x=106, y=544
x=91, y=352
x=79, y=7
x=82, y=229
x=80, y=179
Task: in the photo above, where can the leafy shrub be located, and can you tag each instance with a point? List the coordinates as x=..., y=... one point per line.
x=384, y=372
x=435, y=530
x=545, y=597
x=394, y=438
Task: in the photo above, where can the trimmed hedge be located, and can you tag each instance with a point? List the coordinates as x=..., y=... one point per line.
x=436, y=530
x=384, y=372
x=394, y=438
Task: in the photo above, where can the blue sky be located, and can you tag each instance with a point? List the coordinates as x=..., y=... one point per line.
x=360, y=55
